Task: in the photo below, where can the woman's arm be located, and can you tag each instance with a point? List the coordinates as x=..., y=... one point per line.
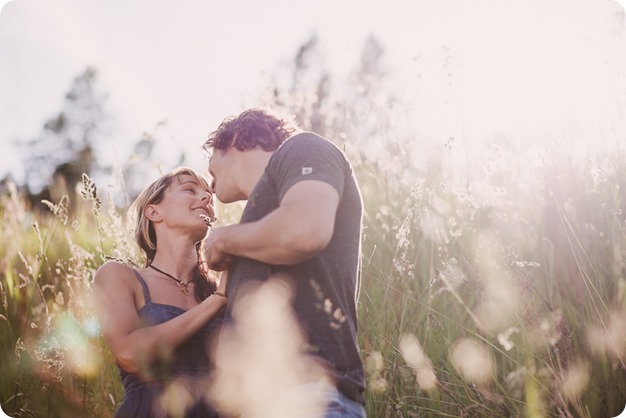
x=134, y=346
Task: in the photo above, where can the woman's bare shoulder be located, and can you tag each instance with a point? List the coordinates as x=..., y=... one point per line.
x=113, y=271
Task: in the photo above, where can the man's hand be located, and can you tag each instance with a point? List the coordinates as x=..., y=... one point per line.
x=223, y=281
x=216, y=258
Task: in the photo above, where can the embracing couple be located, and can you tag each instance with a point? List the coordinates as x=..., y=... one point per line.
x=256, y=319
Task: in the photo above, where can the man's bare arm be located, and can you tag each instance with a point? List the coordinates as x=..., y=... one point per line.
x=298, y=229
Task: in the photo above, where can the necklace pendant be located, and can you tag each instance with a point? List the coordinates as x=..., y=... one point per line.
x=183, y=288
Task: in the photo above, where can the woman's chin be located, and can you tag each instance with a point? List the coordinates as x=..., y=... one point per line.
x=200, y=233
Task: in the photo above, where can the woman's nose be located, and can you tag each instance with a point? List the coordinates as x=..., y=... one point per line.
x=211, y=209
x=208, y=198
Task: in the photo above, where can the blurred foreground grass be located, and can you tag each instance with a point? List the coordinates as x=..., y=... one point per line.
x=498, y=293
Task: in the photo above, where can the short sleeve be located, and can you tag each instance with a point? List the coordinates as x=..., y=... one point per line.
x=307, y=156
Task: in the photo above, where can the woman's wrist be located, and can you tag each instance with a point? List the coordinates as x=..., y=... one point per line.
x=216, y=297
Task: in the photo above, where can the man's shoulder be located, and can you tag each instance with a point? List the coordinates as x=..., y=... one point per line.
x=306, y=141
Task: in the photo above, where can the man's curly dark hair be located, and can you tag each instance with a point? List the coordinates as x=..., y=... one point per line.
x=252, y=128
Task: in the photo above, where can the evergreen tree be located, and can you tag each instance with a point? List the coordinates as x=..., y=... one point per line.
x=65, y=149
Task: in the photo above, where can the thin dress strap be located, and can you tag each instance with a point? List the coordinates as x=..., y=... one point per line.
x=144, y=285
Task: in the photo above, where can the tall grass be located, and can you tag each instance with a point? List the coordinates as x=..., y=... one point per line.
x=490, y=289
x=54, y=362
x=499, y=292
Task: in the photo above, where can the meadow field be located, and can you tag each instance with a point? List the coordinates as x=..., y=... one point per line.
x=487, y=139
x=490, y=288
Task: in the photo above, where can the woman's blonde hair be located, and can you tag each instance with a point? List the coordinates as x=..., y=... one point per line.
x=146, y=236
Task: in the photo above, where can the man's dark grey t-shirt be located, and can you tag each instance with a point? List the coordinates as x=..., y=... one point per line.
x=326, y=286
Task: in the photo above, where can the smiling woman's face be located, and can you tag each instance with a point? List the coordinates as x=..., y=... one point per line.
x=186, y=203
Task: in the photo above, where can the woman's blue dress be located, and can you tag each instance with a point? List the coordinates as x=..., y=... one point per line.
x=188, y=367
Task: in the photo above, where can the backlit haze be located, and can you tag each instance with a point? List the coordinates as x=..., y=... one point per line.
x=528, y=70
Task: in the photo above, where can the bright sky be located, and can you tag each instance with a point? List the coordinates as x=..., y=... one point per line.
x=473, y=68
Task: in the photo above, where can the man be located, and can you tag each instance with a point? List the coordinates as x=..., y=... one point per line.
x=303, y=220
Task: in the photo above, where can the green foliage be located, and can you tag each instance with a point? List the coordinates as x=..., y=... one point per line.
x=529, y=285
x=536, y=277
x=57, y=362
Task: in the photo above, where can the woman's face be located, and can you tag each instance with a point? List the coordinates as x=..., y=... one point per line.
x=185, y=204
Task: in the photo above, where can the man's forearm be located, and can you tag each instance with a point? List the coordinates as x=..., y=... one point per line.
x=276, y=239
x=297, y=230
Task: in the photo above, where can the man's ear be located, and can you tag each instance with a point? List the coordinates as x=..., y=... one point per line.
x=152, y=213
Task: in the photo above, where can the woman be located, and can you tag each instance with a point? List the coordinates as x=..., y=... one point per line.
x=159, y=321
